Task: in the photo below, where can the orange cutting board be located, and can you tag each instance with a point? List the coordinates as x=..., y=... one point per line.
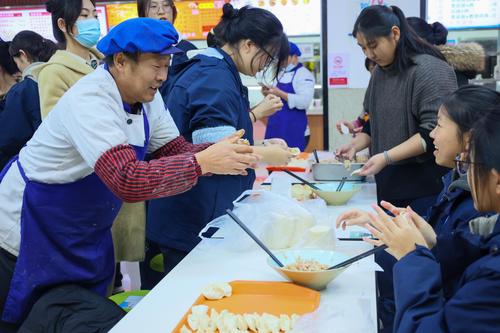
x=258, y=296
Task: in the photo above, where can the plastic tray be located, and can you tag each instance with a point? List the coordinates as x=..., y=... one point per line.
x=257, y=296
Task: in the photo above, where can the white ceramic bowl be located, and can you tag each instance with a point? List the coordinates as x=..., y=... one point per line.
x=317, y=280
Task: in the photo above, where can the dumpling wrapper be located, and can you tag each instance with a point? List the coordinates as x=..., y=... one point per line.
x=215, y=291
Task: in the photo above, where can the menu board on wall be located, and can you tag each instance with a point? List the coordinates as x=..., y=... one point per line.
x=465, y=14
x=196, y=18
x=299, y=17
x=119, y=12
x=36, y=19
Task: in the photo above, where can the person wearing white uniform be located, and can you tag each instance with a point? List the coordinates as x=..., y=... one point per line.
x=61, y=195
x=296, y=89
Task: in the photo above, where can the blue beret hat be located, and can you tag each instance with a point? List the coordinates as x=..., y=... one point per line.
x=140, y=35
x=294, y=49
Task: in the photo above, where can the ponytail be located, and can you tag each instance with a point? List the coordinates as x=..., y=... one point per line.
x=256, y=24
x=434, y=34
x=35, y=46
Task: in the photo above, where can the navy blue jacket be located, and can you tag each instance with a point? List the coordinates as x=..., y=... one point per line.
x=475, y=306
x=450, y=218
x=20, y=118
x=177, y=59
x=207, y=92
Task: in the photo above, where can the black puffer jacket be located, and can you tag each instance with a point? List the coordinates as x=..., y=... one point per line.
x=467, y=59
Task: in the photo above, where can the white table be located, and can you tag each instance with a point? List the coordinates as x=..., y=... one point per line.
x=349, y=301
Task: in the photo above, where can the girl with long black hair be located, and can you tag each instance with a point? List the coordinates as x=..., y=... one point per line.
x=402, y=101
x=208, y=101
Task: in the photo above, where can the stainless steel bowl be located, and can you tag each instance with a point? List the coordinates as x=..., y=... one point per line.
x=335, y=171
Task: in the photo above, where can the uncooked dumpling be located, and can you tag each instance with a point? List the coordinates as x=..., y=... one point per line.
x=199, y=310
x=285, y=323
x=293, y=320
x=251, y=321
x=216, y=291
x=271, y=322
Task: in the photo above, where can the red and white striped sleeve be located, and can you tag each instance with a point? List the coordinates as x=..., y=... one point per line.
x=133, y=181
x=178, y=146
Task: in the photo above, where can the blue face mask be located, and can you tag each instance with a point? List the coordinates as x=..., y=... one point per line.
x=89, y=32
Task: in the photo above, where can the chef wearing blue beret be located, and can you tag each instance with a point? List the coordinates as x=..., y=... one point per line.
x=61, y=194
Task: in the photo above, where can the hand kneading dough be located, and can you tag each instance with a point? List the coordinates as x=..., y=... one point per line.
x=216, y=291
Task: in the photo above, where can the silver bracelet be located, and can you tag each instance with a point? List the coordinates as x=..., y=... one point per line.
x=387, y=158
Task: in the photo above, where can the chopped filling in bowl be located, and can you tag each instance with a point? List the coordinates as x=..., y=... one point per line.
x=310, y=265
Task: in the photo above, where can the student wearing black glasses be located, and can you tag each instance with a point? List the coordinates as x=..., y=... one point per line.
x=422, y=303
x=208, y=101
x=454, y=207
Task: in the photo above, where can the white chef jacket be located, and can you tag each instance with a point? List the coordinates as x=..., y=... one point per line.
x=85, y=123
x=303, y=84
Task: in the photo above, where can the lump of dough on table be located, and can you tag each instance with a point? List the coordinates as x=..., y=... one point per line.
x=216, y=291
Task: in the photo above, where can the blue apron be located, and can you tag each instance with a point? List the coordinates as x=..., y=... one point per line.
x=288, y=124
x=65, y=237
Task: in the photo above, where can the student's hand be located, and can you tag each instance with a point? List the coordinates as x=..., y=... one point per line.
x=225, y=158
x=265, y=90
x=374, y=165
x=352, y=217
x=269, y=106
x=274, y=91
x=425, y=228
x=393, y=209
x=233, y=138
x=348, y=124
x=346, y=151
x=400, y=235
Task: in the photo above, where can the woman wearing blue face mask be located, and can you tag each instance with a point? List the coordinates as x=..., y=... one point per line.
x=295, y=87
x=76, y=27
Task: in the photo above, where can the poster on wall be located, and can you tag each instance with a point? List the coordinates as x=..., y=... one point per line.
x=36, y=19
x=299, y=17
x=465, y=14
x=195, y=19
x=338, y=70
x=119, y=12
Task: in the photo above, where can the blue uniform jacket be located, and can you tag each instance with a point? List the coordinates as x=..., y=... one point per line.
x=206, y=92
x=475, y=306
x=20, y=118
x=177, y=60
x=450, y=218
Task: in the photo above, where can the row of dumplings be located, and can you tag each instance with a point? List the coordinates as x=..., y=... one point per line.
x=202, y=321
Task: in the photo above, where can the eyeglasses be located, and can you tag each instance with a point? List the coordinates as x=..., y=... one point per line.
x=463, y=166
x=270, y=59
x=156, y=7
